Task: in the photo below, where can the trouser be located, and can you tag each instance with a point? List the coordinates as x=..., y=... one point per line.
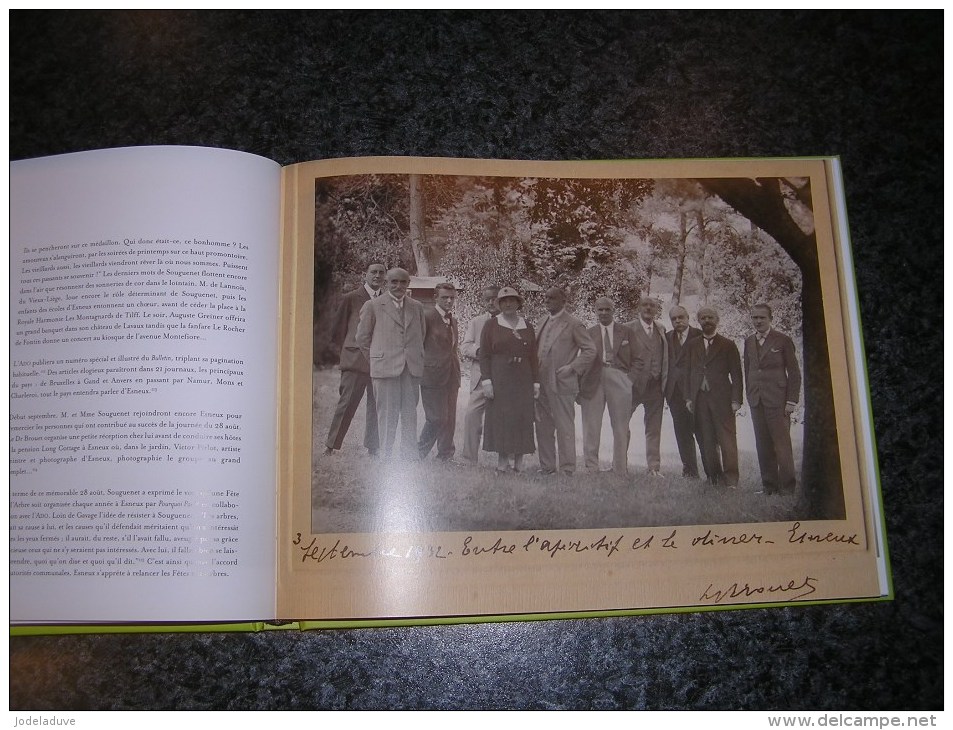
x=772, y=436
x=615, y=393
x=556, y=427
x=651, y=397
x=473, y=425
x=683, y=423
x=353, y=386
x=397, y=403
x=716, y=433
x=440, y=411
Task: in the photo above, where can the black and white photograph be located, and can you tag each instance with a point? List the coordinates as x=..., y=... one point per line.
x=509, y=353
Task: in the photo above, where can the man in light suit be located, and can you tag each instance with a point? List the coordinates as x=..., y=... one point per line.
x=682, y=421
x=473, y=420
x=650, y=380
x=565, y=353
x=441, y=382
x=391, y=333
x=773, y=381
x=355, y=371
x=608, y=384
x=714, y=394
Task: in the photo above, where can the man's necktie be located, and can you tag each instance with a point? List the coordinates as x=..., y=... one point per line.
x=606, y=347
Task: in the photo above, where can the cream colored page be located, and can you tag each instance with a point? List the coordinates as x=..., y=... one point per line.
x=754, y=554
x=143, y=311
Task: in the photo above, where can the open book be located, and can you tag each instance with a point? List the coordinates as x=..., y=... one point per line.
x=177, y=313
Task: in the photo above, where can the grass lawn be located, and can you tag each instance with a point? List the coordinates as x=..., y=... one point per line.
x=354, y=493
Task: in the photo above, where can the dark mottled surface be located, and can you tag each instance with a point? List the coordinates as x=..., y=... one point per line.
x=864, y=85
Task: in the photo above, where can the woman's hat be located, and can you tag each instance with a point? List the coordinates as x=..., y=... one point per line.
x=508, y=291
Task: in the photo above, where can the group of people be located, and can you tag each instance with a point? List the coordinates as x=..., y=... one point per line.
x=526, y=379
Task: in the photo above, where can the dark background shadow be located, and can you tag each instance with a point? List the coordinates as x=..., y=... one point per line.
x=292, y=87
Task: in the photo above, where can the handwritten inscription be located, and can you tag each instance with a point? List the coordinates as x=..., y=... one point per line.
x=604, y=544
x=710, y=538
x=800, y=537
x=801, y=587
x=497, y=548
x=314, y=550
x=415, y=553
x=318, y=553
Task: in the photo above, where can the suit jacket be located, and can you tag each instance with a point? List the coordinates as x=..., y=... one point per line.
x=345, y=328
x=772, y=378
x=563, y=341
x=471, y=346
x=677, y=358
x=642, y=374
x=389, y=343
x=720, y=366
x=441, y=362
x=623, y=355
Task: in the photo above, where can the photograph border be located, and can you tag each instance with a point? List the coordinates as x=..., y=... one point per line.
x=740, y=571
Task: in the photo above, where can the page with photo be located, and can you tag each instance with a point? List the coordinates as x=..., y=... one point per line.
x=519, y=388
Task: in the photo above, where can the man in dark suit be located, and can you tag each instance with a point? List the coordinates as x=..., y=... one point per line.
x=565, y=353
x=773, y=381
x=608, y=384
x=713, y=395
x=441, y=381
x=355, y=371
x=682, y=421
x=650, y=378
x=390, y=334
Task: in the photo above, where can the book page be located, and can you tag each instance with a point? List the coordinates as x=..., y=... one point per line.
x=596, y=488
x=143, y=307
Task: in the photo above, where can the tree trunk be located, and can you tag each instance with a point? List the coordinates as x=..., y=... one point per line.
x=418, y=238
x=762, y=203
x=680, y=260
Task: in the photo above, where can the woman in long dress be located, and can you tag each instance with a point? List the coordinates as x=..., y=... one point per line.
x=510, y=382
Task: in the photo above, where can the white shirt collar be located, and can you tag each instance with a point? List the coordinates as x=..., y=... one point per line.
x=371, y=292
x=520, y=325
x=441, y=311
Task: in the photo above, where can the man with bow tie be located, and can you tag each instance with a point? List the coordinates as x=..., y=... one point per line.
x=608, y=384
x=390, y=334
x=650, y=379
x=713, y=394
x=441, y=380
x=773, y=380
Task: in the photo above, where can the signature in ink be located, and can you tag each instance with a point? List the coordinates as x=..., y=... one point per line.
x=801, y=587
